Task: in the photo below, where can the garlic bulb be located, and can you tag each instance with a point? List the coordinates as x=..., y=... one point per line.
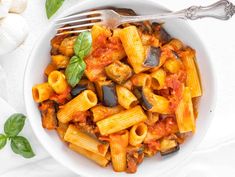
x=18, y=6
x=5, y=5
x=13, y=31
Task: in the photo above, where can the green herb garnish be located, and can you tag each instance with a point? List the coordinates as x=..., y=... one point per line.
x=77, y=66
x=19, y=144
x=52, y=6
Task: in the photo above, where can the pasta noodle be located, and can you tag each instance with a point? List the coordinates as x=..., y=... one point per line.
x=41, y=92
x=83, y=140
x=133, y=47
x=138, y=133
x=141, y=80
x=82, y=102
x=118, y=145
x=121, y=121
x=193, y=80
x=100, y=160
x=125, y=97
x=184, y=113
x=158, y=79
x=57, y=81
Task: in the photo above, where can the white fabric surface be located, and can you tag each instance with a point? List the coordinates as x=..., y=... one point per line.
x=219, y=39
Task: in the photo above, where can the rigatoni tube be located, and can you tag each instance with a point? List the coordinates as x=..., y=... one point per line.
x=158, y=79
x=133, y=47
x=184, y=113
x=121, y=121
x=57, y=81
x=41, y=92
x=75, y=136
x=125, y=97
x=193, y=80
x=118, y=145
x=137, y=134
x=82, y=102
x=100, y=160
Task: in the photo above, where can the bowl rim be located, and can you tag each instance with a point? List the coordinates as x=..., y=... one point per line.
x=69, y=11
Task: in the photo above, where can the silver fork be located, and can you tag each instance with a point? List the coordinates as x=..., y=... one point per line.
x=222, y=10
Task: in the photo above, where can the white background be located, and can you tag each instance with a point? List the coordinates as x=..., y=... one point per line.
x=219, y=39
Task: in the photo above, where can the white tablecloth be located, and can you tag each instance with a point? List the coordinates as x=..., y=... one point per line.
x=219, y=39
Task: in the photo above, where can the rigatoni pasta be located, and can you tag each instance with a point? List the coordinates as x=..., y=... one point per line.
x=119, y=95
x=121, y=121
x=100, y=160
x=41, y=92
x=193, y=80
x=81, y=139
x=125, y=97
x=84, y=101
x=138, y=133
x=118, y=147
x=57, y=82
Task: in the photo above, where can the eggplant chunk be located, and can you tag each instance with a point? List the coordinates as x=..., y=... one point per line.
x=48, y=112
x=168, y=146
x=81, y=86
x=118, y=72
x=107, y=93
x=161, y=33
x=78, y=89
x=138, y=92
x=152, y=57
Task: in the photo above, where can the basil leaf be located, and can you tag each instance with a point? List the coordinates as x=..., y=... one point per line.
x=75, y=70
x=82, y=46
x=21, y=146
x=14, y=125
x=3, y=141
x=52, y=6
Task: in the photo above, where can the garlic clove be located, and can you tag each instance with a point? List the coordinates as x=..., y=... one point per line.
x=4, y=7
x=18, y=6
x=13, y=31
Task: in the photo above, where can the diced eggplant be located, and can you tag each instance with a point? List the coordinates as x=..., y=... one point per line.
x=107, y=93
x=78, y=89
x=138, y=92
x=153, y=57
x=161, y=33
x=48, y=112
x=118, y=72
x=82, y=85
x=170, y=151
x=168, y=146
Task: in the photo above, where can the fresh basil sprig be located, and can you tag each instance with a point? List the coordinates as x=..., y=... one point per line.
x=82, y=46
x=52, y=6
x=19, y=144
x=14, y=125
x=77, y=66
x=75, y=70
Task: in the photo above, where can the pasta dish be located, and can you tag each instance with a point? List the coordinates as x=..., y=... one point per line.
x=117, y=96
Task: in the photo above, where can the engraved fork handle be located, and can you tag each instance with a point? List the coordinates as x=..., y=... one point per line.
x=222, y=10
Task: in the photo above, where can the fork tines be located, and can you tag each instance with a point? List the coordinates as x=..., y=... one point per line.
x=77, y=23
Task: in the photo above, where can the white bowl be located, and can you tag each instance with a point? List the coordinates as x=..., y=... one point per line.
x=154, y=166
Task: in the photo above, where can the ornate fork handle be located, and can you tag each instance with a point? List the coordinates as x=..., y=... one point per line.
x=222, y=10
